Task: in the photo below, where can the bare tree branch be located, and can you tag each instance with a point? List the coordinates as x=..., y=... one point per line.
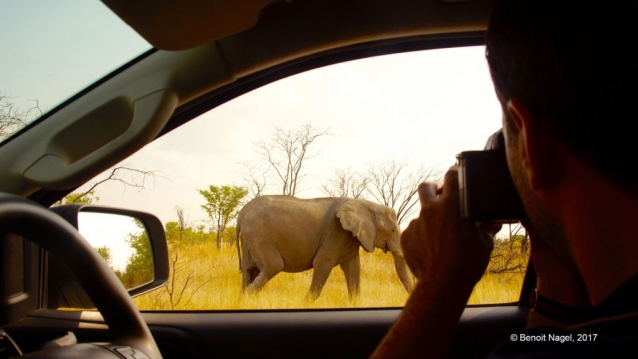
x=286, y=152
x=346, y=183
x=130, y=177
x=117, y=174
x=390, y=185
x=509, y=255
x=254, y=179
x=12, y=118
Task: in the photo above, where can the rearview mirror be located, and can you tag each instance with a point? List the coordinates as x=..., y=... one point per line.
x=132, y=243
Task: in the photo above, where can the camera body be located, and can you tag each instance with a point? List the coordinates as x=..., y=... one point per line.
x=487, y=192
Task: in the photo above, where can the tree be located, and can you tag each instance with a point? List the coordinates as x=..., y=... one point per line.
x=255, y=179
x=182, y=222
x=509, y=255
x=286, y=152
x=228, y=236
x=105, y=253
x=139, y=268
x=180, y=231
x=517, y=230
x=346, y=183
x=79, y=198
x=390, y=184
x=222, y=206
x=13, y=118
x=130, y=177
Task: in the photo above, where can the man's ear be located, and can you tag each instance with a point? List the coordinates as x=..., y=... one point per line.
x=535, y=144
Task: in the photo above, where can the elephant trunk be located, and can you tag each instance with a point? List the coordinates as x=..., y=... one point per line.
x=402, y=270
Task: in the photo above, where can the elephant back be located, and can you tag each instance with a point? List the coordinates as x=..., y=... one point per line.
x=278, y=212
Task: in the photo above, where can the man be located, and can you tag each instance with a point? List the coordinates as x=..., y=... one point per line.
x=565, y=74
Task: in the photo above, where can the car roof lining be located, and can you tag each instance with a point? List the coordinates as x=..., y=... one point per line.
x=180, y=25
x=184, y=24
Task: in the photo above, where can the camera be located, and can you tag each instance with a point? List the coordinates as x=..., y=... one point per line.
x=487, y=192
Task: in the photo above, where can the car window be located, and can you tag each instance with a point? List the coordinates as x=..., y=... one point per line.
x=370, y=130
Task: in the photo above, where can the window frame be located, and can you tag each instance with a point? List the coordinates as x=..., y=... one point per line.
x=210, y=101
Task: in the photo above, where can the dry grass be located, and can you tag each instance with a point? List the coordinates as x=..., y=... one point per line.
x=209, y=279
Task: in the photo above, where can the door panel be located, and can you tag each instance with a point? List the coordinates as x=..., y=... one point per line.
x=281, y=334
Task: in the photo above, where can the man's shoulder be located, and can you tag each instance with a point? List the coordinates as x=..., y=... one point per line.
x=610, y=331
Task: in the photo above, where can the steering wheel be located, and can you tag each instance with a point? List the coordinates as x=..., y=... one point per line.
x=133, y=339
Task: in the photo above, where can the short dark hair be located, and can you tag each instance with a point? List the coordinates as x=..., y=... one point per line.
x=574, y=65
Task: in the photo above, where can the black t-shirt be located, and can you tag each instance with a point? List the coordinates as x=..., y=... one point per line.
x=610, y=331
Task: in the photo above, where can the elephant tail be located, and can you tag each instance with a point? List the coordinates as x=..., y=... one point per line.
x=237, y=233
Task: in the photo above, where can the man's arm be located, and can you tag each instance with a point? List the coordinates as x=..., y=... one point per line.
x=427, y=323
x=448, y=256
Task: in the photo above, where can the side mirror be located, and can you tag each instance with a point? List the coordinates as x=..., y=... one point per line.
x=132, y=243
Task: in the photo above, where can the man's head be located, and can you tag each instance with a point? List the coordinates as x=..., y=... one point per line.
x=569, y=70
x=573, y=66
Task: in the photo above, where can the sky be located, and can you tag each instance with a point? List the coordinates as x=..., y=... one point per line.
x=53, y=49
x=112, y=231
x=421, y=108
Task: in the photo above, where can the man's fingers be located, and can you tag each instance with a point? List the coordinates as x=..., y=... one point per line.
x=427, y=192
x=451, y=183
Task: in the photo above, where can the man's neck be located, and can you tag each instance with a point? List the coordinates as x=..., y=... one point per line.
x=599, y=222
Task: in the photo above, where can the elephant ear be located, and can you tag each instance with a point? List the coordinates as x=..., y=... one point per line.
x=355, y=216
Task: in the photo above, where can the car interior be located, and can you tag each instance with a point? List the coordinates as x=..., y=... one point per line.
x=205, y=54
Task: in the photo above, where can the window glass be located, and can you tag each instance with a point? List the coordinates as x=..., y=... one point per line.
x=369, y=129
x=54, y=49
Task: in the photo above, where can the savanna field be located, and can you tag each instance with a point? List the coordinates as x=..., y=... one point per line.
x=204, y=277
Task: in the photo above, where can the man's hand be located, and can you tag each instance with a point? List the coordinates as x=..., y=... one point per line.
x=441, y=247
x=448, y=255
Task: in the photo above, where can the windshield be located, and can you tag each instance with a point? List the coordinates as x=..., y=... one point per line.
x=52, y=50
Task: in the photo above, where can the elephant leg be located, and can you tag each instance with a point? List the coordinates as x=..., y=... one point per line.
x=245, y=281
x=352, y=271
x=248, y=276
x=267, y=267
x=320, y=273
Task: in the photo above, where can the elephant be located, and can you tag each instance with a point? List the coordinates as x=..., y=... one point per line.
x=285, y=233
